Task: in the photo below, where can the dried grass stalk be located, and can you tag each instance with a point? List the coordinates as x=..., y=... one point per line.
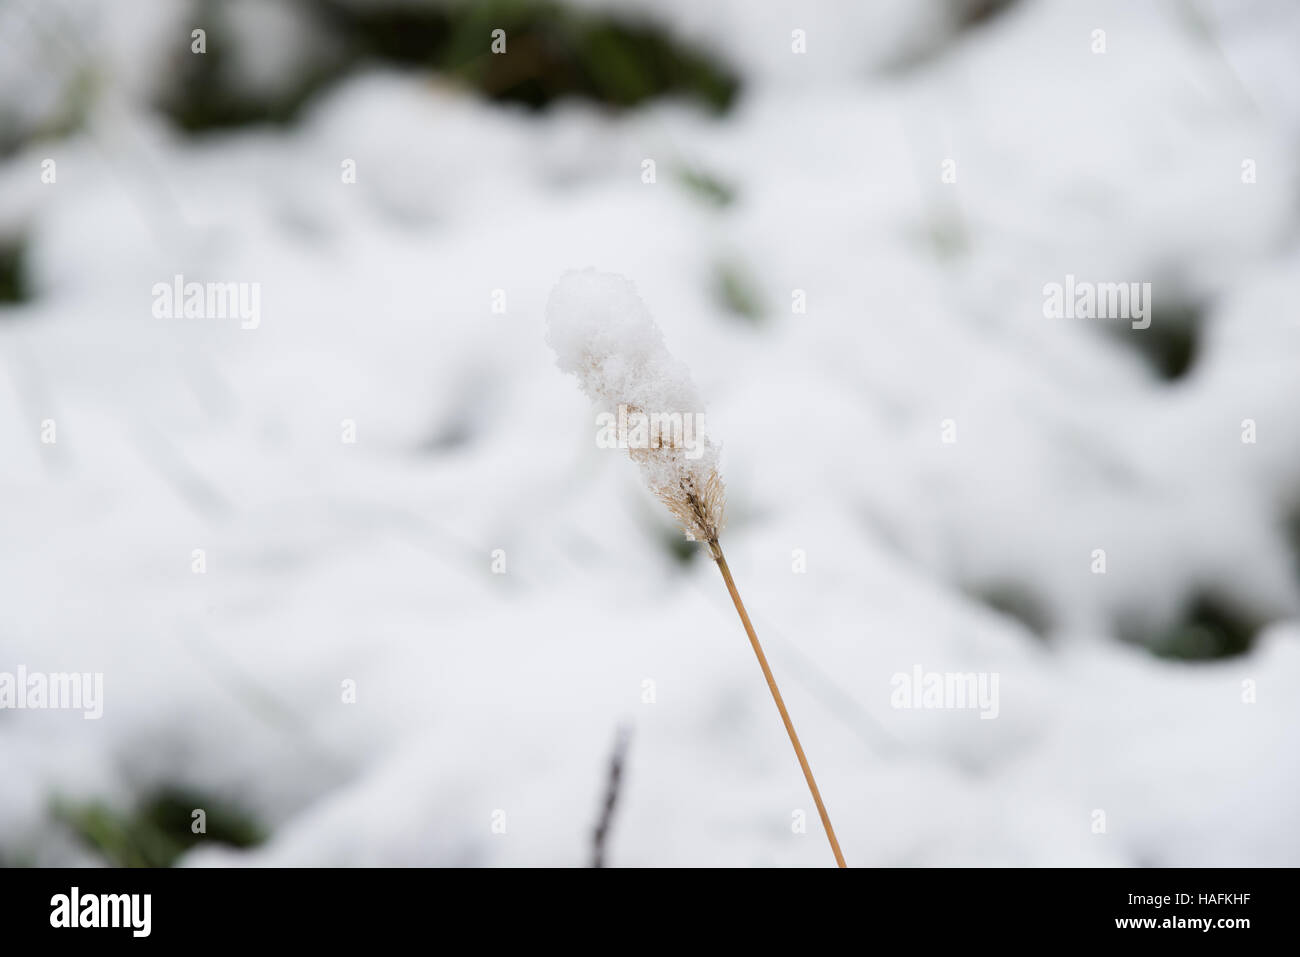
x=603, y=334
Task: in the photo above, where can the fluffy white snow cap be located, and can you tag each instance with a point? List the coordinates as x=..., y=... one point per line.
x=602, y=333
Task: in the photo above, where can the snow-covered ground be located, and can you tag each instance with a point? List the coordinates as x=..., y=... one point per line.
x=920, y=434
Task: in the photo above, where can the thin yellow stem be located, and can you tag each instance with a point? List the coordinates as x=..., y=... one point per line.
x=716, y=549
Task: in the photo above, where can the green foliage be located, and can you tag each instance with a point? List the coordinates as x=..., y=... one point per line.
x=738, y=292
x=947, y=235
x=1171, y=343
x=13, y=275
x=1018, y=602
x=551, y=52
x=158, y=831
x=75, y=99
x=682, y=549
x=707, y=187
x=1208, y=630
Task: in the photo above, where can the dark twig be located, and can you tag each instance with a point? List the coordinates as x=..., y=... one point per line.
x=601, y=836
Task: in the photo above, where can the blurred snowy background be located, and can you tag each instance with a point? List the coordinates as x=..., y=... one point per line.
x=912, y=181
